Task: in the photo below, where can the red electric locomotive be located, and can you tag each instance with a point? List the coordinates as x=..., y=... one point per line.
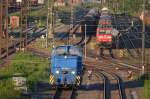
x=104, y=29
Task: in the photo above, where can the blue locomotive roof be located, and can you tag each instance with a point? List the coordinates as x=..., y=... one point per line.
x=66, y=49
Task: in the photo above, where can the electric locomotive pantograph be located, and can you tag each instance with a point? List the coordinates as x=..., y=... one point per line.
x=66, y=66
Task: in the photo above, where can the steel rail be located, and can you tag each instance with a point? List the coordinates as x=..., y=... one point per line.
x=73, y=94
x=57, y=94
x=12, y=49
x=119, y=84
x=101, y=75
x=64, y=94
x=118, y=62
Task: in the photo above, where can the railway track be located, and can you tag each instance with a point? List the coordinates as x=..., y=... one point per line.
x=105, y=83
x=129, y=31
x=112, y=84
x=64, y=94
x=108, y=62
x=12, y=48
x=93, y=56
x=117, y=92
x=73, y=31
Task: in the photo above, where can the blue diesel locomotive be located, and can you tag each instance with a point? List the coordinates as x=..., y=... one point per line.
x=66, y=66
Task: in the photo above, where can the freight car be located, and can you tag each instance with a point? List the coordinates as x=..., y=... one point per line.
x=66, y=66
x=89, y=22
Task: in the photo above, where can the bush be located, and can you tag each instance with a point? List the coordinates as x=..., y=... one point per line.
x=34, y=68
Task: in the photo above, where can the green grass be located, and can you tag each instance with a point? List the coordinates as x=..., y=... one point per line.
x=147, y=89
x=34, y=68
x=0, y=61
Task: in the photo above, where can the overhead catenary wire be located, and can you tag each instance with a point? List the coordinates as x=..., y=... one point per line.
x=120, y=24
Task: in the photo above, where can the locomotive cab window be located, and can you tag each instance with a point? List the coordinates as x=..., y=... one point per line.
x=70, y=50
x=105, y=29
x=74, y=51
x=60, y=51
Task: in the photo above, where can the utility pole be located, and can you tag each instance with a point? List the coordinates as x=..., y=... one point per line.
x=24, y=13
x=50, y=23
x=71, y=20
x=115, y=6
x=143, y=38
x=48, y=14
x=6, y=24
x=108, y=3
x=85, y=41
x=124, y=6
x=1, y=15
x=27, y=21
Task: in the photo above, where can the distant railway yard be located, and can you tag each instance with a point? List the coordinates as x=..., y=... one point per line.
x=89, y=49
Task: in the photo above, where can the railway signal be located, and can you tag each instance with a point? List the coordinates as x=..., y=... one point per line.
x=89, y=74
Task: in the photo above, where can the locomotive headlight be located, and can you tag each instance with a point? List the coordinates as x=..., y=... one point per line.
x=57, y=72
x=109, y=37
x=65, y=57
x=73, y=72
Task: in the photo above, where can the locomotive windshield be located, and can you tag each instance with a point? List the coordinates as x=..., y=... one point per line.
x=105, y=32
x=67, y=50
x=60, y=51
x=105, y=29
x=74, y=51
x=105, y=25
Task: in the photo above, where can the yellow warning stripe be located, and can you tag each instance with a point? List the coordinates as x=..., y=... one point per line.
x=78, y=80
x=78, y=77
x=51, y=79
x=123, y=53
